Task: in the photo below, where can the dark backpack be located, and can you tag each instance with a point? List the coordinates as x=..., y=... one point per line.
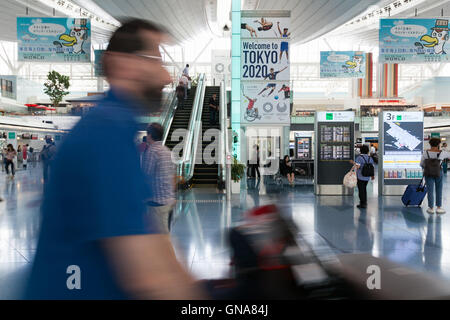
x=367, y=170
x=432, y=167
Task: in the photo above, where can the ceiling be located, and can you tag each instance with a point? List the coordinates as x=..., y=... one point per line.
x=188, y=19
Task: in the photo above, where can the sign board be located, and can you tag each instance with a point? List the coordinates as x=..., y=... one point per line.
x=402, y=145
x=335, y=116
x=334, y=148
x=414, y=40
x=435, y=135
x=50, y=39
x=265, y=67
x=11, y=135
x=342, y=64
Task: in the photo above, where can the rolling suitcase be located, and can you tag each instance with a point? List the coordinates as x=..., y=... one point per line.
x=414, y=194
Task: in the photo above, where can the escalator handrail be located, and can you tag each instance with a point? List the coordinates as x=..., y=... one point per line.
x=193, y=133
x=224, y=148
x=168, y=116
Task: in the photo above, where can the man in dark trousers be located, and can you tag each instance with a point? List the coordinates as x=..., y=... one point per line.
x=96, y=239
x=213, y=110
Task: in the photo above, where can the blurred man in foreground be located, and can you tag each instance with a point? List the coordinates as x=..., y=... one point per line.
x=96, y=240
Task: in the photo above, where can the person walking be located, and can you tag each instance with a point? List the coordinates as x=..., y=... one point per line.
x=157, y=164
x=432, y=164
x=10, y=155
x=185, y=83
x=96, y=239
x=365, y=172
x=47, y=154
x=213, y=110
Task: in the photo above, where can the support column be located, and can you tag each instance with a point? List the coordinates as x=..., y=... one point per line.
x=388, y=80
x=236, y=77
x=364, y=86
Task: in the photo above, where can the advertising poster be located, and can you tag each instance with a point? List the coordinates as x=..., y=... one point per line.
x=342, y=64
x=264, y=60
x=54, y=39
x=403, y=144
x=265, y=102
x=414, y=40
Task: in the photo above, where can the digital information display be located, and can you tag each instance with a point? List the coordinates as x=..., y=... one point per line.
x=334, y=149
x=402, y=145
x=303, y=146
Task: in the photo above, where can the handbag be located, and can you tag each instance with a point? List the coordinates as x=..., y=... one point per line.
x=350, y=179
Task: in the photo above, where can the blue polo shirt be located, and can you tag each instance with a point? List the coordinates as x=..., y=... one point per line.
x=361, y=160
x=96, y=191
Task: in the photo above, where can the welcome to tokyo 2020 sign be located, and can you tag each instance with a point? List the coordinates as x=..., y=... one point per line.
x=414, y=40
x=265, y=67
x=54, y=39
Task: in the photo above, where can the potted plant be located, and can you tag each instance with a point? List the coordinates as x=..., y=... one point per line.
x=237, y=172
x=56, y=87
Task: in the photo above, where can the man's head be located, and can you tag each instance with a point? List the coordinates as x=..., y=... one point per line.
x=444, y=145
x=132, y=61
x=214, y=96
x=144, y=139
x=48, y=140
x=435, y=142
x=187, y=65
x=155, y=132
x=272, y=70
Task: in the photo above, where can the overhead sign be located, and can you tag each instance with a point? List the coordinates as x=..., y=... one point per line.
x=54, y=39
x=342, y=64
x=414, y=40
x=265, y=102
x=402, y=144
x=11, y=135
x=265, y=68
x=335, y=116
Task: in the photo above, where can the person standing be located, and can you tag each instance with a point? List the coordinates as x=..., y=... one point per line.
x=47, y=154
x=213, y=110
x=95, y=222
x=25, y=155
x=445, y=161
x=158, y=166
x=10, y=156
x=185, y=82
x=179, y=91
x=186, y=72
x=363, y=179
x=432, y=164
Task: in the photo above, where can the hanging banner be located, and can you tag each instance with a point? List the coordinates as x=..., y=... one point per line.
x=342, y=64
x=54, y=39
x=414, y=40
x=220, y=65
x=265, y=67
x=265, y=102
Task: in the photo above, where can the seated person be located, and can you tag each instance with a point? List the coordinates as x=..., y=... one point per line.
x=287, y=170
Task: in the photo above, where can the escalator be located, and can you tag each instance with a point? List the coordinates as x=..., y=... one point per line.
x=206, y=175
x=181, y=118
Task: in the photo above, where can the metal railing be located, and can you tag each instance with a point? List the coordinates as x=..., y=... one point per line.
x=223, y=143
x=185, y=167
x=168, y=115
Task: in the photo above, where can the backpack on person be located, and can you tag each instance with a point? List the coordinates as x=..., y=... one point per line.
x=432, y=166
x=367, y=170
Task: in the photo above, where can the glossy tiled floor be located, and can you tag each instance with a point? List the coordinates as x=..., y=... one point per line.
x=334, y=224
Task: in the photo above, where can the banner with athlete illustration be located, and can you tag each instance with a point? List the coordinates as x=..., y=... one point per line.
x=414, y=40
x=265, y=67
x=265, y=102
x=259, y=26
x=342, y=64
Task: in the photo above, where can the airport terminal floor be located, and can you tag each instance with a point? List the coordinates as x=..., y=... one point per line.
x=331, y=224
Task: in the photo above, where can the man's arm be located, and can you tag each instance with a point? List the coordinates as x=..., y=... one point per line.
x=279, y=30
x=147, y=268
